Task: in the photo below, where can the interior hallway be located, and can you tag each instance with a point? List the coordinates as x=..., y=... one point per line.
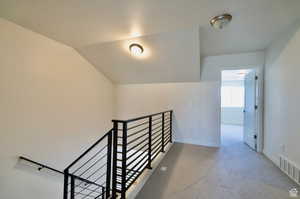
x=233, y=171
x=231, y=135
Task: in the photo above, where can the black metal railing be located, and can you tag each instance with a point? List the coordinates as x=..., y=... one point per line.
x=40, y=166
x=137, y=142
x=89, y=176
x=110, y=166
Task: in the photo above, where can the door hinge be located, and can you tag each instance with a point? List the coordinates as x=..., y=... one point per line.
x=256, y=77
x=256, y=107
x=255, y=136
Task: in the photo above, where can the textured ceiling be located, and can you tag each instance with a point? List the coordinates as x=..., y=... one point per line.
x=78, y=23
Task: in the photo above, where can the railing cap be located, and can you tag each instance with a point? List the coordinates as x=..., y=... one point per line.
x=142, y=117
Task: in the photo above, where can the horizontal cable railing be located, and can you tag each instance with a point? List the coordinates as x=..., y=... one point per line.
x=111, y=166
x=137, y=142
x=89, y=176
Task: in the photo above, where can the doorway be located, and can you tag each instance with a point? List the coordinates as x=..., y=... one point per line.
x=239, y=97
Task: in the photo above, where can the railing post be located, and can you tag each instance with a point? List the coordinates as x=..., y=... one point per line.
x=150, y=143
x=108, y=166
x=66, y=179
x=171, y=126
x=103, y=190
x=163, y=134
x=114, y=163
x=72, y=187
x=124, y=158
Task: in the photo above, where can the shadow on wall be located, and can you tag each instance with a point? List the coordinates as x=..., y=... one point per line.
x=281, y=42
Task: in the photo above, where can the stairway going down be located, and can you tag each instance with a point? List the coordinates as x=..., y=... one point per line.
x=113, y=164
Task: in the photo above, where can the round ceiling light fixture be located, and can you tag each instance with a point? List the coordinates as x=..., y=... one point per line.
x=220, y=21
x=136, y=49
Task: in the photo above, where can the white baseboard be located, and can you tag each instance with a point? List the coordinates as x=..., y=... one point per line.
x=276, y=161
x=206, y=144
x=271, y=157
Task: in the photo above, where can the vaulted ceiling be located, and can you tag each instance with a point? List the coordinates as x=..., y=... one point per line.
x=89, y=26
x=167, y=57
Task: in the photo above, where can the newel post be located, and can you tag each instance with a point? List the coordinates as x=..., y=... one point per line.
x=150, y=143
x=66, y=178
x=114, y=163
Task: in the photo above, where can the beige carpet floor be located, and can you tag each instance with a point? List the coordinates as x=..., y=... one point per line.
x=233, y=171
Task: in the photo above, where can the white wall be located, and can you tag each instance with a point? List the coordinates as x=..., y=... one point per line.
x=211, y=72
x=195, y=105
x=53, y=104
x=282, y=97
x=213, y=65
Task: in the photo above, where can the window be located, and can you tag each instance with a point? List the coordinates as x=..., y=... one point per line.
x=232, y=95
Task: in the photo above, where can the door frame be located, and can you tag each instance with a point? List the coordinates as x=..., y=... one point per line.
x=260, y=97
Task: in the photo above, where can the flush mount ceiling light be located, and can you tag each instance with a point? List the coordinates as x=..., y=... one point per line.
x=220, y=21
x=136, y=49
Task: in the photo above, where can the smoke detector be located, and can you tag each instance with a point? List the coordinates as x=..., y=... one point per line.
x=220, y=21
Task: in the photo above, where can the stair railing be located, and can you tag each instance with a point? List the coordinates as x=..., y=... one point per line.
x=137, y=142
x=89, y=176
x=113, y=164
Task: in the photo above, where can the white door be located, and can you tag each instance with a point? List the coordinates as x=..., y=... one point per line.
x=250, y=110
